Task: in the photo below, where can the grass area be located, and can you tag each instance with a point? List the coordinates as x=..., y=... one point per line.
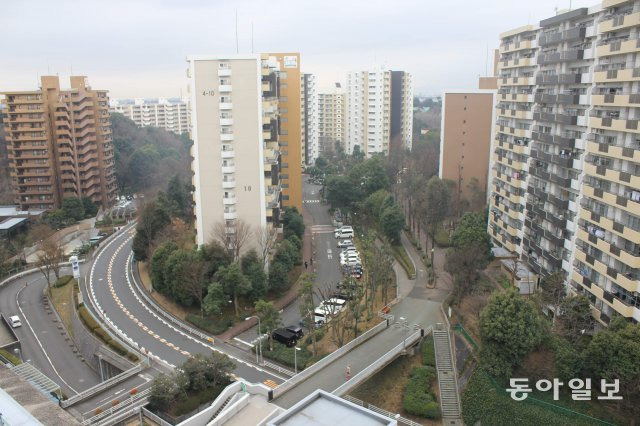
x=482, y=403
x=428, y=351
x=442, y=238
x=403, y=259
x=285, y=355
x=61, y=293
x=99, y=332
x=10, y=357
x=210, y=323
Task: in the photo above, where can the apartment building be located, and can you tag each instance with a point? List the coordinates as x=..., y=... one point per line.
x=59, y=144
x=331, y=119
x=465, y=140
x=170, y=114
x=380, y=111
x=565, y=189
x=309, y=119
x=236, y=154
x=290, y=135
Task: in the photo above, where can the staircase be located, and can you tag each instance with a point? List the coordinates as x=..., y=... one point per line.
x=447, y=381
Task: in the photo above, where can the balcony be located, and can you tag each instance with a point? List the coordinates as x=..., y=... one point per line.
x=228, y=201
x=614, y=124
x=224, y=72
x=619, y=22
x=226, y=121
x=224, y=88
x=617, y=100
x=228, y=169
x=228, y=154
x=618, y=48
x=230, y=215
x=226, y=106
x=610, y=150
x=226, y=137
x=228, y=184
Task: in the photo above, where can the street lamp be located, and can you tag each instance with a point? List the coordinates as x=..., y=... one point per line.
x=259, y=351
x=295, y=359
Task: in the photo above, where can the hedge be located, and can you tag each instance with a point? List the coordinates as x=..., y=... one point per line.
x=102, y=334
x=10, y=357
x=418, y=399
x=403, y=259
x=428, y=351
x=284, y=355
x=88, y=320
x=117, y=347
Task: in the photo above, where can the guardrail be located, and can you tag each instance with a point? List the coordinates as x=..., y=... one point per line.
x=308, y=372
x=139, y=398
x=278, y=368
x=379, y=363
x=101, y=386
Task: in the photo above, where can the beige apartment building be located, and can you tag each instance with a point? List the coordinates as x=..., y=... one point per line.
x=309, y=119
x=379, y=111
x=170, y=114
x=60, y=144
x=565, y=189
x=236, y=152
x=331, y=119
x=290, y=136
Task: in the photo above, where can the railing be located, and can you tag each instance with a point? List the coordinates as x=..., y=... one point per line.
x=308, y=372
x=139, y=398
x=389, y=414
x=278, y=368
x=101, y=386
x=379, y=363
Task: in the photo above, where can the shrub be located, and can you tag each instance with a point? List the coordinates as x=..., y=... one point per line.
x=401, y=255
x=102, y=334
x=428, y=351
x=442, y=238
x=10, y=357
x=319, y=335
x=431, y=410
x=87, y=319
x=210, y=324
x=417, y=399
x=117, y=347
x=284, y=355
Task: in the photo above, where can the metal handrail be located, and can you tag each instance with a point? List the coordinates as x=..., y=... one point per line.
x=134, y=398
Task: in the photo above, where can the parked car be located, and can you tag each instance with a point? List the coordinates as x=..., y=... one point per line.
x=15, y=322
x=336, y=305
x=343, y=295
x=345, y=243
x=295, y=330
x=285, y=337
x=322, y=315
x=343, y=234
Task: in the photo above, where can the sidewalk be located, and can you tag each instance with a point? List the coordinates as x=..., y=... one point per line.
x=289, y=296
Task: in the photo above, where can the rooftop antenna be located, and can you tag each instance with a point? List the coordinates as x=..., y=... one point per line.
x=237, y=51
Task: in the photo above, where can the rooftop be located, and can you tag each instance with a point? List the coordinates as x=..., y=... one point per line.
x=10, y=223
x=324, y=409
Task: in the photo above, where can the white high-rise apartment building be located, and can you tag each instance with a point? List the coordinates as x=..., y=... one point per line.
x=309, y=118
x=379, y=110
x=331, y=119
x=171, y=114
x=236, y=156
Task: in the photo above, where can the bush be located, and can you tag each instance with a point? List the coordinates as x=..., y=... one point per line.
x=428, y=351
x=284, y=355
x=417, y=399
x=87, y=319
x=62, y=281
x=117, y=348
x=401, y=255
x=442, y=238
x=210, y=324
x=102, y=334
x=319, y=335
x=10, y=357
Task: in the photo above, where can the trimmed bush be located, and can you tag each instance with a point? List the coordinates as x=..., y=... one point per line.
x=87, y=319
x=417, y=399
x=401, y=255
x=284, y=355
x=428, y=351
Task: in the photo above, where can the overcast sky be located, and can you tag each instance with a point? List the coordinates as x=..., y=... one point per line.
x=137, y=48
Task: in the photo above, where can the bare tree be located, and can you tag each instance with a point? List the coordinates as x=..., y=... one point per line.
x=193, y=279
x=49, y=254
x=266, y=238
x=306, y=308
x=233, y=236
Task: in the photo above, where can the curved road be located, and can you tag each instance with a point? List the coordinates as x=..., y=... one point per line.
x=114, y=291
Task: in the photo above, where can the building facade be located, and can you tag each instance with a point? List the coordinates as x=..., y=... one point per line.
x=331, y=119
x=59, y=144
x=290, y=136
x=309, y=119
x=236, y=154
x=567, y=152
x=170, y=114
x=379, y=111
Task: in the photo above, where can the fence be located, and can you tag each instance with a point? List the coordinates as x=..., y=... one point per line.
x=308, y=372
x=101, y=386
x=137, y=399
x=389, y=414
x=279, y=369
x=378, y=364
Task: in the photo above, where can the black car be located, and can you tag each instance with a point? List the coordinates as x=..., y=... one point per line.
x=343, y=295
x=295, y=330
x=285, y=337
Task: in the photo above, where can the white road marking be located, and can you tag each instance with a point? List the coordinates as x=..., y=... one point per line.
x=243, y=342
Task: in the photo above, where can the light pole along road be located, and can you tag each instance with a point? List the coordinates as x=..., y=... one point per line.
x=114, y=292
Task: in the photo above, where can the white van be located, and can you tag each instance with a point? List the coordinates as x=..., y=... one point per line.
x=15, y=321
x=344, y=232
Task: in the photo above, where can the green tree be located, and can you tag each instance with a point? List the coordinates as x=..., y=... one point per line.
x=472, y=230
x=164, y=390
x=575, y=318
x=292, y=222
x=90, y=208
x=464, y=264
x=253, y=269
x=369, y=176
x=233, y=282
x=392, y=222
x=57, y=219
x=214, y=256
x=152, y=220
x=340, y=192
x=204, y=371
x=287, y=254
x=510, y=328
x=372, y=206
x=180, y=199
x=215, y=300
x=553, y=291
x=278, y=277
x=73, y=208
x=176, y=268
x=158, y=261
x=269, y=318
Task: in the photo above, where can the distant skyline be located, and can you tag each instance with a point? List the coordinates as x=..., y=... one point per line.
x=137, y=48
